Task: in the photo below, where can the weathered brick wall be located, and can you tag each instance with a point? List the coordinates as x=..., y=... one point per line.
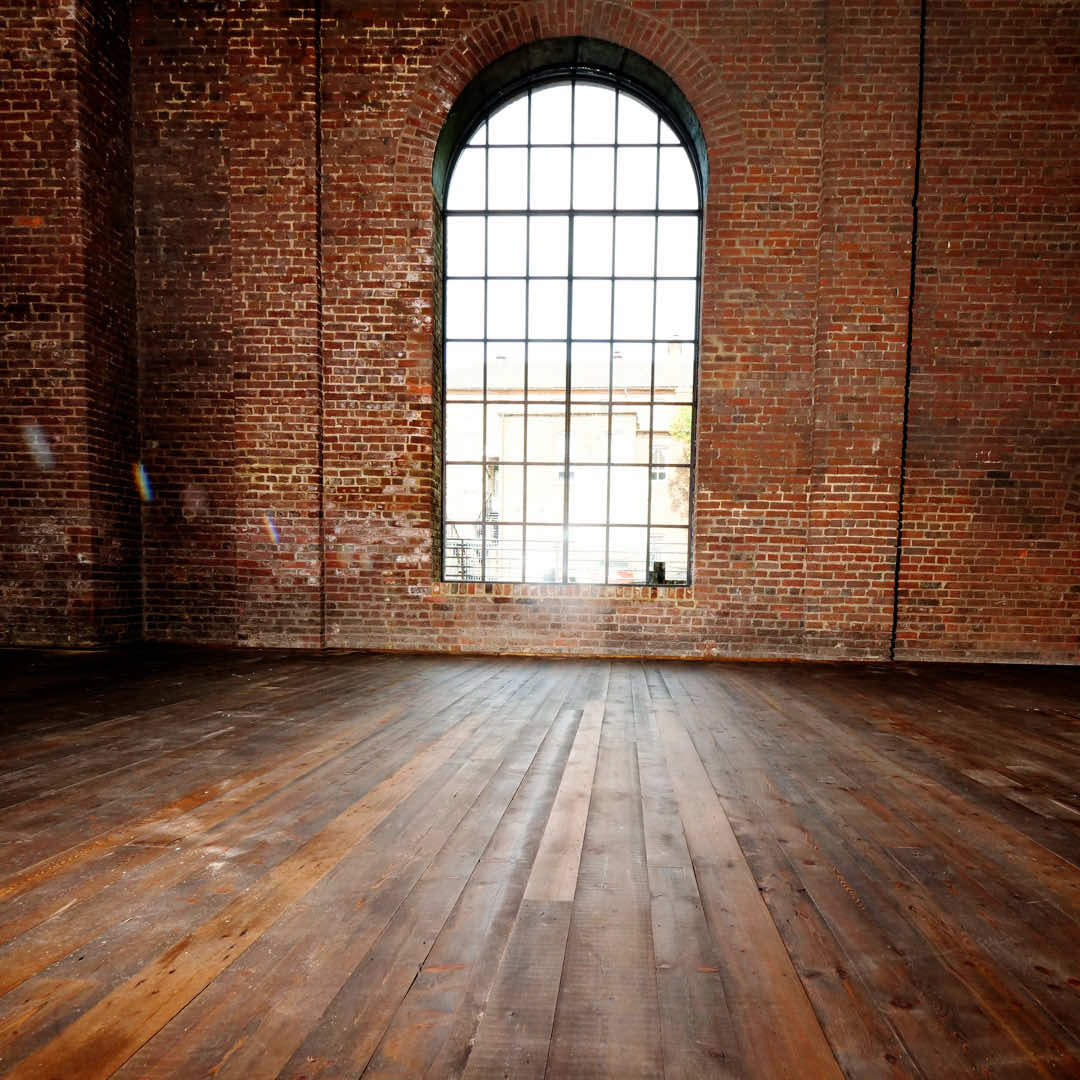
x=69, y=546
x=991, y=561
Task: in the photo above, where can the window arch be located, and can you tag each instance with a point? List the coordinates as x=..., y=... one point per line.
x=571, y=179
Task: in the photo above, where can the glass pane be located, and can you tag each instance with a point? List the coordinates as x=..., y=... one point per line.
x=594, y=113
x=592, y=246
x=670, y=547
x=507, y=179
x=547, y=370
x=544, y=493
x=634, y=239
x=633, y=371
x=671, y=433
x=461, y=553
x=479, y=136
x=506, y=308
x=504, y=552
x=547, y=308
x=505, y=432
x=464, y=309
x=629, y=495
x=464, y=369
x=465, y=246
x=594, y=178
x=678, y=187
x=635, y=187
x=592, y=309
x=506, y=246
x=633, y=309
x=630, y=433
x=510, y=124
x=670, y=495
x=637, y=122
x=666, y=134
x=677, y=247
x=588, y=494
x=590, y=370
x=464, y=434
x=626, y=556
x=464, y=492
x=589, y=434
x=675, y=370
x=549, y=179
x=546, y=432
x=585, y=555
x=675, y=304
x=506, y=368
x=543, y=554
x=551, y=114
x=507, y=486
x=549, y=246
x=467, y=181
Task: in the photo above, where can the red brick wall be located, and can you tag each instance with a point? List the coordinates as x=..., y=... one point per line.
x=991, y=562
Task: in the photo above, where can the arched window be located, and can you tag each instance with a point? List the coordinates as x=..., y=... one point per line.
x=571, y=255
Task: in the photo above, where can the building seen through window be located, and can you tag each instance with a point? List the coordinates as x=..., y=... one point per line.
x=571, y=244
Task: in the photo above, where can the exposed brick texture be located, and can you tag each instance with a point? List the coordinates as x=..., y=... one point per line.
x=287, y=337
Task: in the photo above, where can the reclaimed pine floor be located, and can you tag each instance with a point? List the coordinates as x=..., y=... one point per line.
x=247, y=865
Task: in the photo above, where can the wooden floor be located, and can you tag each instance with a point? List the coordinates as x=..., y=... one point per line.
x=256, y=865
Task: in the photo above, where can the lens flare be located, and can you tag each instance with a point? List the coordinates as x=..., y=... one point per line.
x=271, y=528
x=142, y=482
x=38, y=444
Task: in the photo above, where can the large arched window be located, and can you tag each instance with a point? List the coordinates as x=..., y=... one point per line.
x=571, y=254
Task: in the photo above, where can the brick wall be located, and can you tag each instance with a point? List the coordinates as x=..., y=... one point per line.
x=286, y=336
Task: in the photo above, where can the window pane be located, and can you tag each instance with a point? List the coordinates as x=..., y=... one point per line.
x=551, y=114
x=464, y=309
x=465, y=246
x=464, y=369
x=675, y=303
x=504, y=553
x=634, y=240
x=547, y=370
x=507, y=493
x=588, y=494
x=546, y=433
x=590, y=370
x=671, y=433
x=505, y=432
x=675, y=370
x=630, y=433
x=507, y=179
x=592, y=246
x=544, y=554
x=677, y=247
x=464, y=432
x=594, y=114
x=629, y=495
x=506, y=246
x=594, y=178
x=585, y=555
x=678, y=188
x=549, y=179
x=506, y=309
x=670, y=547
x=479, y=136
x=506, y=368
x=467, y=188
x=510, y=124
x=461, y=553
x=592, y=309
x=547, y=308
x=633, y=370
x=588, y=433
x=667, y=136
x=635, y=187
x=626, y=556
x=544, y=493
x=549, y=246
x=464, y=492
x=633, y=309
x=637, y=122
x=670, y=495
